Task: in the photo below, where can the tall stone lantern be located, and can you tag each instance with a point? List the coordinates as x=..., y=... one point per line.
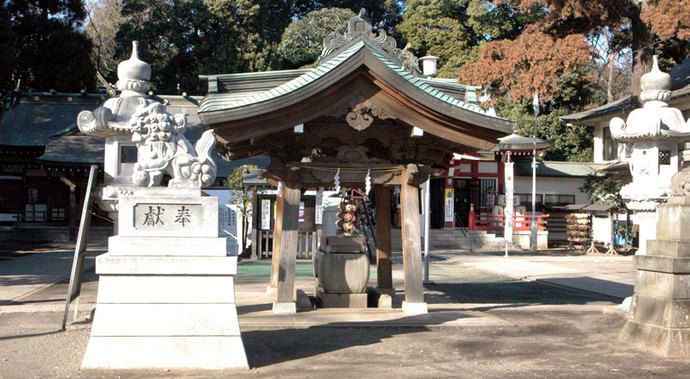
x=655, y=132
x=166, y=285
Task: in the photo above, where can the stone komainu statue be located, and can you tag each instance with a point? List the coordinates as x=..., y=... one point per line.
x=162, y=148
x=158, y=135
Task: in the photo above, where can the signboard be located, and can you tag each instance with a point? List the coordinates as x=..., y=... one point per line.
x=301, y=211
x=318, y=216
x=232, y=230
x=509, y=208
x=450, y=206
x=265, y=214
x=76, y=274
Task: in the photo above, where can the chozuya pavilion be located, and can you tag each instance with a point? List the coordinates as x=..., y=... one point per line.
x=362, y=114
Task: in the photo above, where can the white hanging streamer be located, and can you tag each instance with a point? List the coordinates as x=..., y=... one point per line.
x=281, y=188
x=336, y=180
x=367, y=182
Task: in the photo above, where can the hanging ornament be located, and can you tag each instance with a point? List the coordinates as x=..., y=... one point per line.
x=347, y=218
x=336, y=180
x=281, y=188
x=367, y=182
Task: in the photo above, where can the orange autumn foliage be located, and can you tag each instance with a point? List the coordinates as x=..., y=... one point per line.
x=531, y=63
x=555, y=46
x=668, y=17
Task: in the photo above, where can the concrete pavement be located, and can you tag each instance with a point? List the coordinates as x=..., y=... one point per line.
x=612, y=276
x=25, y=270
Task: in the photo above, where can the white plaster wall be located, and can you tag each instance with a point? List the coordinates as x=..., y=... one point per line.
x=598, y=145
x=552, y=185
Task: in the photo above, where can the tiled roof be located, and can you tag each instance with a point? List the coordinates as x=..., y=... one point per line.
x=557, y=169
x=50, y=121
x=680, y=86
x=35, y=119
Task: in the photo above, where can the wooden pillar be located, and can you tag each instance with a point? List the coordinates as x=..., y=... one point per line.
x=256, y=214
x=288, y=251
x=384, y=267
x=73, y=213
x=277, y=234
x=412, y=256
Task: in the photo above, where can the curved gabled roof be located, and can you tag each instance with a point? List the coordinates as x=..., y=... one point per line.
x=227, y=107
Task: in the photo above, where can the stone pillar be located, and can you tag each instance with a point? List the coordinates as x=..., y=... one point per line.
x=659, y=319
x=411, y=240
x=285, y=302
x=166, y=287
x=384, y=267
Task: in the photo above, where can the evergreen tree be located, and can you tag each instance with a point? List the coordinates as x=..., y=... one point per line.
x=7, y=58
x=302, y=41
x=184, y=38
x=51, y=50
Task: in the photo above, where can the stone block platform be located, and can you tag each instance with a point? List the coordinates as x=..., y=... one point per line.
x=166, y=289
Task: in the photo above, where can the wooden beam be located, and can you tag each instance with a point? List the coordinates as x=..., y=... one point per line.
x=277, y=239
x=412, y=257
x=256, y=214
x=384, y=264
x=285, y=302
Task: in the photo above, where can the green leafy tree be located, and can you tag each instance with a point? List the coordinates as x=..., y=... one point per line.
x=439, y=28
x=51, y=49
x=570, y=142
x=184, y=38
x=454, y=30
x=385, y=14
x=169, y=33
x=302, y=40
x=7, y=58
x=242, y=198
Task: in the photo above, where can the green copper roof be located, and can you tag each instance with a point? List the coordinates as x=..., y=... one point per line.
x=426, y=87
x=224, y=101
x=227, y=101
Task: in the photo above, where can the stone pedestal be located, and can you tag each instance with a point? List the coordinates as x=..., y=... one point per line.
x=341, y=272
x=166, y=287
x=646, y=220
x=659, y=319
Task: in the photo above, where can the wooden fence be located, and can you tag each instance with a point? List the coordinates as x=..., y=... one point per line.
x=307, y=243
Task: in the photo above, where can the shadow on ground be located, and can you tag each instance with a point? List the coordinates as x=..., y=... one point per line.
x=269, y=347
x=511, y=292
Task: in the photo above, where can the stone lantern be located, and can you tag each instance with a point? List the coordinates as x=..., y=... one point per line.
x=166, y=285
x=655, y=132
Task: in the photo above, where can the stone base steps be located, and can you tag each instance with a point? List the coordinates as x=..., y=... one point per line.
x=478, y=240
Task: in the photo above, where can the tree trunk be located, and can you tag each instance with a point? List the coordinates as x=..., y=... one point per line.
x=609, y=86
x=642, y=51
